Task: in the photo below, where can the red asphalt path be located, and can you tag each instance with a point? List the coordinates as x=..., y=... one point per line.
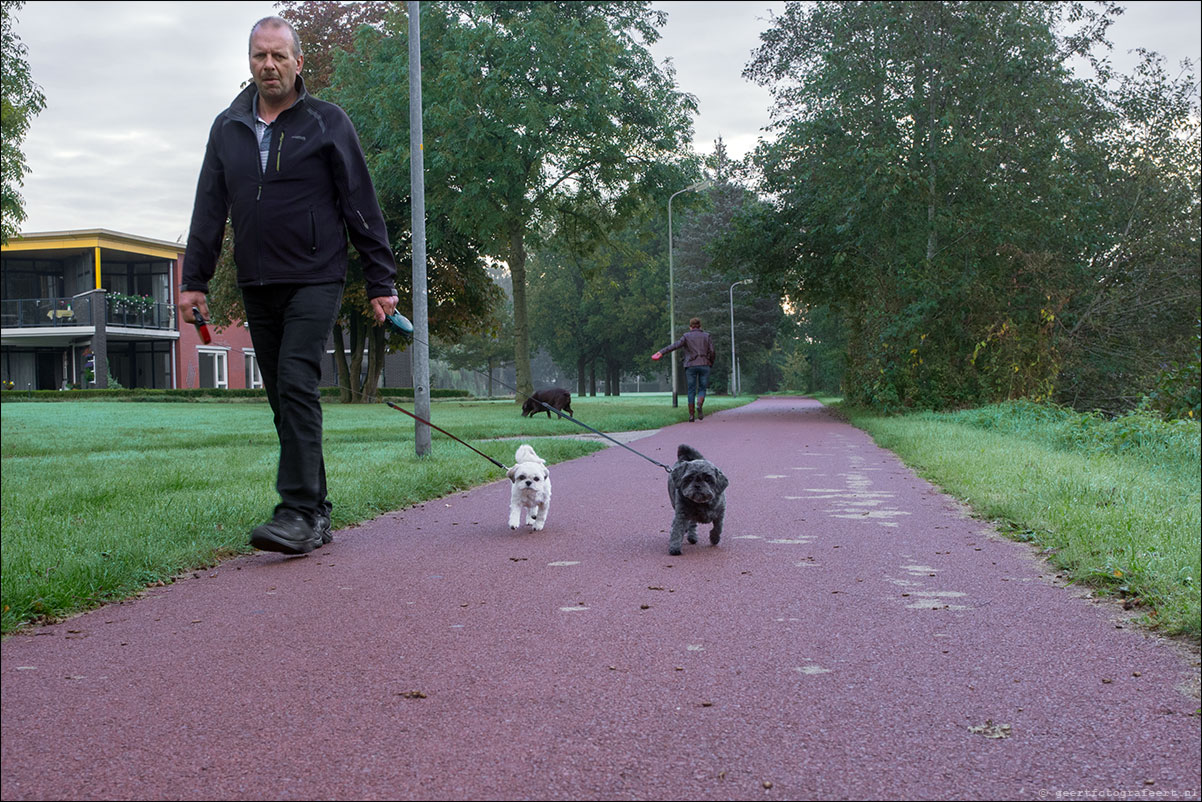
x=842, y=642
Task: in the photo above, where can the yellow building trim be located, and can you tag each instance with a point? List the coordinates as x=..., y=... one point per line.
x=95, y=238
x=98, y=285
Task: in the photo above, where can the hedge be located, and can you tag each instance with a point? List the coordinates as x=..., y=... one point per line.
x=211, y=394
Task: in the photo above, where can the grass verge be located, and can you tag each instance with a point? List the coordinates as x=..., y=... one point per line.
x=100, y=499
x=1114, y=504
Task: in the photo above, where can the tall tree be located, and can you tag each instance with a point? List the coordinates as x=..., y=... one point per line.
x=20, y=101
x=602, y=308
x=327, y=28
x=1140, y=310
x=941, y=178
x=705, y=273
x=537, y=111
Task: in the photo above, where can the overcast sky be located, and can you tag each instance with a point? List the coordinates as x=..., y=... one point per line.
x=132, y=88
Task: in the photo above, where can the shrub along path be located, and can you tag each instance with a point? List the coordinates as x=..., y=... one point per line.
x=854, y=635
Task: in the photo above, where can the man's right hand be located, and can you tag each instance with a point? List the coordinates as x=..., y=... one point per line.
x=189, y=299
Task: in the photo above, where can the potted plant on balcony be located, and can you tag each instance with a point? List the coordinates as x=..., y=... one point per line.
x=130, y=303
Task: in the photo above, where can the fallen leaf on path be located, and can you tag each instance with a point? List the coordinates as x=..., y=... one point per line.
x=991, y=730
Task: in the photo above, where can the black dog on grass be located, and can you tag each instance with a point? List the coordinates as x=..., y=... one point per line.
x=555, y=397
x=697, y=490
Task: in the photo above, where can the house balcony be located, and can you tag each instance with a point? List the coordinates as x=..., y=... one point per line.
x=50, y=320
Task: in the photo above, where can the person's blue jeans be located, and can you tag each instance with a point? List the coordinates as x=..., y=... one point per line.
x=698, y=377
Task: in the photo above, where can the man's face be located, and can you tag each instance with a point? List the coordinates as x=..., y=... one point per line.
x=273, y=64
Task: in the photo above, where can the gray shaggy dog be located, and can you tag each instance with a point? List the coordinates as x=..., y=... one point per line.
x=697, y=490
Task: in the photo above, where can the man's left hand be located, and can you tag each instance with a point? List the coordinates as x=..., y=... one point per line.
x=383, y=307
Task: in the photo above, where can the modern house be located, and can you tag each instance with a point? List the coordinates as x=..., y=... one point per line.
x=80, y=307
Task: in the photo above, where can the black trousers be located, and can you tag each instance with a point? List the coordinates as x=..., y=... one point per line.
x=289, y=324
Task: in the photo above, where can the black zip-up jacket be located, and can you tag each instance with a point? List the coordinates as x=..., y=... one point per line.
x=291, y=220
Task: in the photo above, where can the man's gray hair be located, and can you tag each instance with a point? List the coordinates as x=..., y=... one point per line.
x=277, y=22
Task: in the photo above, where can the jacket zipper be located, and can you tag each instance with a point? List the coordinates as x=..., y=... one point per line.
x=258, y=209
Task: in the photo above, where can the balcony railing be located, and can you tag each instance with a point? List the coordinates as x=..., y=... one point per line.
x=41, y=312
x=77, y=311
x=134, y=313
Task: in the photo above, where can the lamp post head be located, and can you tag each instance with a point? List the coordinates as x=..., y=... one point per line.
x=704, y=183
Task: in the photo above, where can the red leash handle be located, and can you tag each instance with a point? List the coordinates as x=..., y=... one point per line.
x=202, y=326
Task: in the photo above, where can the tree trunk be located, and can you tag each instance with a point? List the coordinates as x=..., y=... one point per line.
x=611, y=377
x=375, y=365
x=521, y=324
x=356, y=367
x=344, y=370
x=581, y=376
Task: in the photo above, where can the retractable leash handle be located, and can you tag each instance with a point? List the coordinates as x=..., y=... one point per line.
x=400, y=323
x=202, y=326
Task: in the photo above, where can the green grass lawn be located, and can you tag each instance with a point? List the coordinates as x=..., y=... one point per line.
x=1113, y=503
x=101, y=498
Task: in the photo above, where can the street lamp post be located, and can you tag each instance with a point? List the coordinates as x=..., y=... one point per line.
x=734, y=370
x=697, y=187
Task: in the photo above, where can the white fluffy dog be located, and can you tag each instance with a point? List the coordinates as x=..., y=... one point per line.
x=531, y=489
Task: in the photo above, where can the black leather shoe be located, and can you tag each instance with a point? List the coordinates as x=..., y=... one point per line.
x=287, y=533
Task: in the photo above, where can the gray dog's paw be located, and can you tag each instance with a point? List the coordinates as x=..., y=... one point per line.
x=714, y=538
x=674, y=552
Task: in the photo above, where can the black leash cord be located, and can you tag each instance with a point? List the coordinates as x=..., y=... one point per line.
x=516, y=392
x=448, y=434
x=603, y=434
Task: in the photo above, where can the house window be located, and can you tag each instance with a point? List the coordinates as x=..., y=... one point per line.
x=214, y=368
x=254, y=379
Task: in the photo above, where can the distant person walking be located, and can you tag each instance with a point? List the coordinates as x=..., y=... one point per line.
x=288, y=171
x=698, y=359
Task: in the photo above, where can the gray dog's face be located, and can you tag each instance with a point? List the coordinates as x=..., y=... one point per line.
x=699, y=481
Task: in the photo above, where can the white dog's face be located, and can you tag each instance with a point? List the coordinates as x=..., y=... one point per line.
x=530, y=489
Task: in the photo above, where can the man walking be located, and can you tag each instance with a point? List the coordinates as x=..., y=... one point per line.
x=288, y=171
x=698, y=359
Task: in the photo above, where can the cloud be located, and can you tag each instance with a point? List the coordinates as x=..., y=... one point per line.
x=132, y=89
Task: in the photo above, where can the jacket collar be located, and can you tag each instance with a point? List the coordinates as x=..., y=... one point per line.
x=243, y=107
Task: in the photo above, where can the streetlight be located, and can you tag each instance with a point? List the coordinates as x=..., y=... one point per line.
x=697, y=187
x=734, y=378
